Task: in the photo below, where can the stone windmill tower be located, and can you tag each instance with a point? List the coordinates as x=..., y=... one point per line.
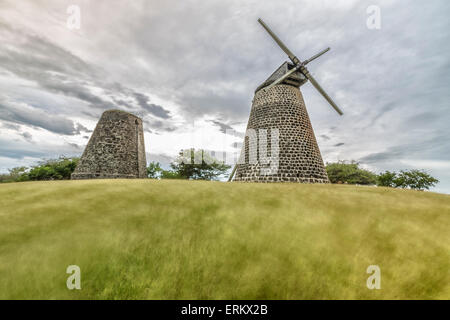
x=279, y=121
x=115, y=150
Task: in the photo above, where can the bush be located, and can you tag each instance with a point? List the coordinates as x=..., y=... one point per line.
x=55, y=169
x=15, y=174
x=168, y=174
x=198, y=165
x=190, y=164
x=349, y=172
x=154, y=170
x=412, y=179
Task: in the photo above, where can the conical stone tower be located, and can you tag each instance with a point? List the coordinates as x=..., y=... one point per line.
x=115, y=150
x=280, y=110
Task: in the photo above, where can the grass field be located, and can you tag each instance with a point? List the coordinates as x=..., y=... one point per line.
x=147, y=239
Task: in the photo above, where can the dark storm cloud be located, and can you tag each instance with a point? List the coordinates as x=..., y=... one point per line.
x=27, y=136
x=81, y=128
x=75, y=146
x=57, y=70
x=437, y=148
x=19, y=149
x=20, y=153
x=10, y=126
x=29, y=54
x=152, y=108
x=27, y=115
x=223, y=126
x=75, y=90
x=154, y=125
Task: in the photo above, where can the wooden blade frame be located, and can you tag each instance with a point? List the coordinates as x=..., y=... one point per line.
x=300, y=66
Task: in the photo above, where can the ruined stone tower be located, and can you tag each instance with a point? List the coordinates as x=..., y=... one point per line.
x=115, y=150
x=280, y=110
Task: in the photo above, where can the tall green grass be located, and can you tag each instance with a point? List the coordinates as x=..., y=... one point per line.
x=147, y=239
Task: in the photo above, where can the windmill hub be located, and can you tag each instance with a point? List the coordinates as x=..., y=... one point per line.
x=296, y=79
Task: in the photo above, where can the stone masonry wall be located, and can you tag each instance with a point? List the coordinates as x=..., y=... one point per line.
x=282, y=107
x=115, y=150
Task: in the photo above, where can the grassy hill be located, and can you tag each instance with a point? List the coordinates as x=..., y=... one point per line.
x=147, y=239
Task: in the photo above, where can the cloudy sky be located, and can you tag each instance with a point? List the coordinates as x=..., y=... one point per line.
x=189, y=69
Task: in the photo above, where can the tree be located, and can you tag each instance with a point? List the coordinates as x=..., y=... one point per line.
x=387, y=179
x=195, y=165
x=154, y=170
x=14, y=174
x=349, y=172
x=53, y=169
x=415, y=179
x=18, y=174
x=168, y=174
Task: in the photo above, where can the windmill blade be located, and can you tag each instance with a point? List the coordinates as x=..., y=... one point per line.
x=316, y=56
x=280, y=79
x=283, y=47
x=322, y=92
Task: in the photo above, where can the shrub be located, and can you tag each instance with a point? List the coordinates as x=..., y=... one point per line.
x=349, y=172
x=154, y=170
x=190, y=164
x=54, y=169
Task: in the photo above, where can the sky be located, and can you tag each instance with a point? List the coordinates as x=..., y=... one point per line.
x=189, y=69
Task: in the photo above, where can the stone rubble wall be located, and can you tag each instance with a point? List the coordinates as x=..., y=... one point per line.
x=115, y=150
x=282, y=107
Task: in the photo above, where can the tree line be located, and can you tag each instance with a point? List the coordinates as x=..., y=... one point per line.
x=344, y=172
x=190, y=164
x=194, y=164
x=53, y=169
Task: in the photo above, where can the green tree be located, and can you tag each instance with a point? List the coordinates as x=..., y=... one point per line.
x=15, y=174
x=18, y=174
x=412, y=179
x=349, y=172
x=54, y=169
x=154, y=170
x=415, y=179
x=168, y=174
x=196, y=165
x=387, y=179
